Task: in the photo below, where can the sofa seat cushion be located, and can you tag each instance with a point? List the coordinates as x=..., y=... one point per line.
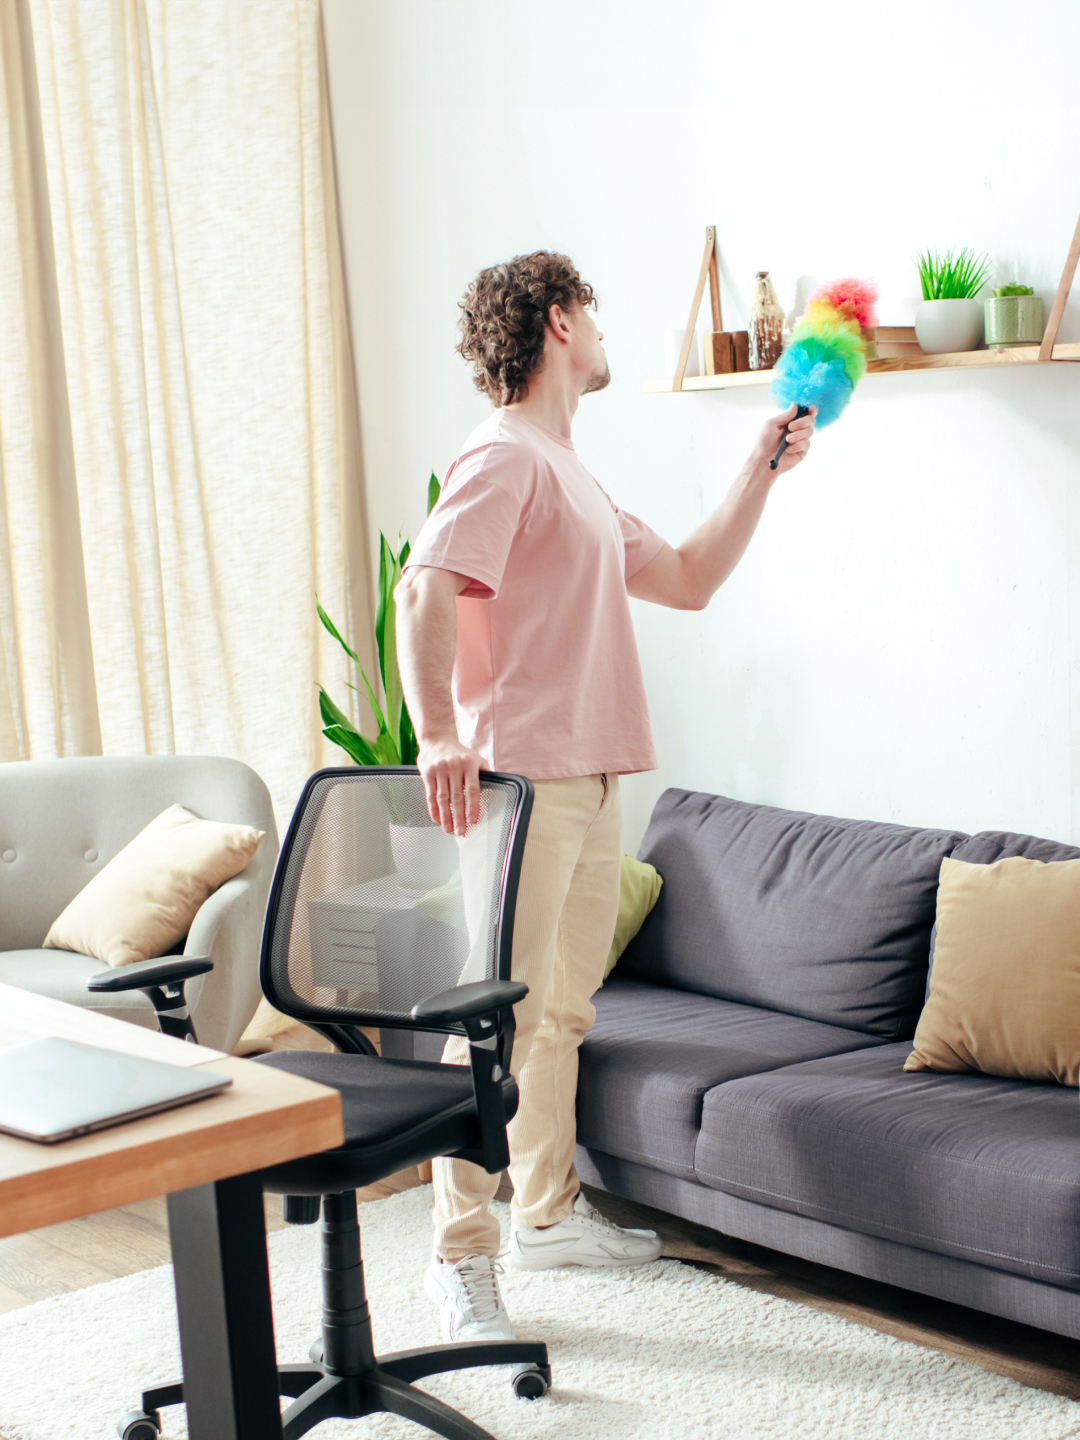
x=816, y=916
x=972, y=1166
x=654, y=1053
x=62, y=975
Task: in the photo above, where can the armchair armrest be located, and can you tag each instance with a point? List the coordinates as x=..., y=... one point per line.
x=481, y=999
x=486, y=1008
x=169, y=970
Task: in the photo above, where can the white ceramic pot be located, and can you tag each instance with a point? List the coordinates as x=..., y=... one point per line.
x=424, y=856
x=943, y=327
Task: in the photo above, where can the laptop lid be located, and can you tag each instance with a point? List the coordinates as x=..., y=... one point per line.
x=55, y=1089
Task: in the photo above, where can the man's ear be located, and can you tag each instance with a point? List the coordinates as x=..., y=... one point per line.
x=559, y=324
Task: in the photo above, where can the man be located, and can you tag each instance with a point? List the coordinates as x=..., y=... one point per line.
x=517, y=653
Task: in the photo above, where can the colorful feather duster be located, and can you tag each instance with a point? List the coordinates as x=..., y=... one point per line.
x=826, y=356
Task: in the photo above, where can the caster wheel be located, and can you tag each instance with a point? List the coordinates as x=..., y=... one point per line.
x=138, y=1425
x=316, y=1353
x=530, y=1382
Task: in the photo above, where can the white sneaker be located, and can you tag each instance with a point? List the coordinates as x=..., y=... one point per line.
x=584, y=1238
x=467, y=1294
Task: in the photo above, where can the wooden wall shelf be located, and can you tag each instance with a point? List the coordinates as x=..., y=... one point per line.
x=963, y=360
x=1048, y=351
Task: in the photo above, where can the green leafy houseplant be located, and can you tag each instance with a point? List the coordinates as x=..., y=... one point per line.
x=395, y=743
x=951, y=277
x=1004, y=290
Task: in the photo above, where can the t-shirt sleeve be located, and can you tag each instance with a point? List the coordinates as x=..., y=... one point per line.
x=475, y=519
x=641, y=543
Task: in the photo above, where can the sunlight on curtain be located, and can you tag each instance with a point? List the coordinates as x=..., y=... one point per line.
x=188, y=159
x=47, y=699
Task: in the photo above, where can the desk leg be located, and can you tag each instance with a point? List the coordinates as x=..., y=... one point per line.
x=218, y=1235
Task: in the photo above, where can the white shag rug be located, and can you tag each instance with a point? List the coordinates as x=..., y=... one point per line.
x=667, y=1352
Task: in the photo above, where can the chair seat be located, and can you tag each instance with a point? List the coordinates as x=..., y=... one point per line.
x=394, y=1113
x=654, y=1053
x=62, y=975
x=984, y=1169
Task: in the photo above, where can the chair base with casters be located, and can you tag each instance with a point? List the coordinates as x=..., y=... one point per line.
x=428, y=1109
x=345, y=1380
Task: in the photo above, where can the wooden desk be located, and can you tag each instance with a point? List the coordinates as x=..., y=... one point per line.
x=206, y=1157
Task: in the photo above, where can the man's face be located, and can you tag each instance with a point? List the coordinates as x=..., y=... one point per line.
x=589, y=358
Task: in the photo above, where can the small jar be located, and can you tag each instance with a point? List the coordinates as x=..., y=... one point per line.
x=766, y=324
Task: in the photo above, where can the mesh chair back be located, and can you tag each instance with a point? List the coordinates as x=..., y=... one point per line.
x=374, y=908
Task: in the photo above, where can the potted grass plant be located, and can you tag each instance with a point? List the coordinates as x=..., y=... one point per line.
x=423, y=855
x=950, y=318
x=1013, y=316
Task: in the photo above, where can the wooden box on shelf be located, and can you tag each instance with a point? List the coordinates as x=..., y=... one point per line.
x=726, y=351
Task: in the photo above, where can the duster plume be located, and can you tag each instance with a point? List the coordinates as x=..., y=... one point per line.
x=826, y=356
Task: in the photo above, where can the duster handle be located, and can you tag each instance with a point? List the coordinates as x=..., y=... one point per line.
x=775, y=461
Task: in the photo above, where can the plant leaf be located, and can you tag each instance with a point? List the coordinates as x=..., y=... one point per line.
x=387, y=751
x=433, y=491
x=376, y=708
x=386, y=628
x=329, y=625
x=408, y=744
x=332, y=715
x=353, y=744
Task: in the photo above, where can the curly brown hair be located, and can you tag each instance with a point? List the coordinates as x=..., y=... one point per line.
x=504, y=314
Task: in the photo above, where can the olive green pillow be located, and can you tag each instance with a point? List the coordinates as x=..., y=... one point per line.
x=639, y=890
x=1005, y=987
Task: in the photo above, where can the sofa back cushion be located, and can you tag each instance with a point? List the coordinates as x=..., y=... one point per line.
x=808, y=914
x=990, y=845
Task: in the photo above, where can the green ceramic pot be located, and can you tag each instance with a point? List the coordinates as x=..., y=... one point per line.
x=1013, y=320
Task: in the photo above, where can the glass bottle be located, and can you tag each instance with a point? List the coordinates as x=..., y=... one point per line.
x=766, y=324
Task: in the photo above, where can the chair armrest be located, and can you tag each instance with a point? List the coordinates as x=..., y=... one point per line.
x=169, y=970
x=486, y=1007
x=470, y=1002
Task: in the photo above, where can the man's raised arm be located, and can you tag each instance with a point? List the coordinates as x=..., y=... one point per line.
x=688, y=578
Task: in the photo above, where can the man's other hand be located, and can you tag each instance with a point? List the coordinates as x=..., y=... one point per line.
x=451, y=775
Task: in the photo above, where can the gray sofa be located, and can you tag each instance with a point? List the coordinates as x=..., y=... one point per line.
x=745, y=1067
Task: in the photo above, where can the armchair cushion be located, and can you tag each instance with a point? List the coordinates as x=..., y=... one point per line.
x=146, y=897
x=62, y=976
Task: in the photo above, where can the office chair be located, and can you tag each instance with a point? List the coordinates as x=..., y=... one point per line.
x=377, y=918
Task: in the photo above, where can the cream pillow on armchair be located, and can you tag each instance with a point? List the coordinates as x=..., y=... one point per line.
x=145, y=898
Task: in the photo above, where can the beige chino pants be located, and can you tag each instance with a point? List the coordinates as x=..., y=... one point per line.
x=567, y=905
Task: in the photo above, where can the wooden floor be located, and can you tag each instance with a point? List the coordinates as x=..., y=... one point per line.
x=62, y=1258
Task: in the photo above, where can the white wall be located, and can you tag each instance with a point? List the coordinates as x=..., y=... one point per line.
x=901, y=640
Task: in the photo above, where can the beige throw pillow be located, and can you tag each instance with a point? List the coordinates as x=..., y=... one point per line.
x=1005, y=987
x=144, y=900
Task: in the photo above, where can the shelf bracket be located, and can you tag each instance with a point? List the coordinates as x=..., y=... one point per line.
x=1046, y=349
x=708, y=271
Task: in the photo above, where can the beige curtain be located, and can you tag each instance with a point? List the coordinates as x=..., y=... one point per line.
x=160, y=550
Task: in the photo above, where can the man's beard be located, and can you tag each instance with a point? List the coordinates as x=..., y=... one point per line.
x=598, y=382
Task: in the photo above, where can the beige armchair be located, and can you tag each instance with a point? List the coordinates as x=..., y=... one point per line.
x=62, y=820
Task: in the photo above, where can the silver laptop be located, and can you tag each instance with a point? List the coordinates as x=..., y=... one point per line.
x=55, y=1089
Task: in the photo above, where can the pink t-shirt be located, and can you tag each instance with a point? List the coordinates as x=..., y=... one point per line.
x=547, y=681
